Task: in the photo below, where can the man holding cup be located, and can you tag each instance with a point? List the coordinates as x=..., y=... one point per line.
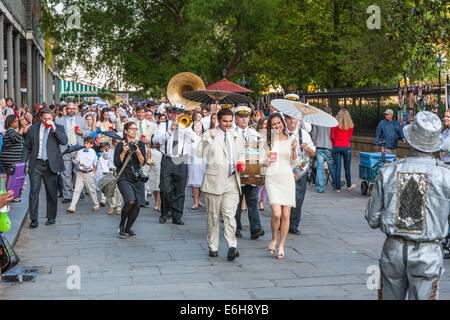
x=222, y=147
x=76, y=130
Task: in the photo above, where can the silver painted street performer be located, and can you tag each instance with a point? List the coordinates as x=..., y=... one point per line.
x=411, y=204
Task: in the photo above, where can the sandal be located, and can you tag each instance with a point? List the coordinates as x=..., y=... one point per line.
x=194, y=208
x=353, y=186
x=271, y=250
x=280, y=255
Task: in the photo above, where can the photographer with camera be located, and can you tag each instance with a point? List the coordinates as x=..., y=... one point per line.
x=131, y=182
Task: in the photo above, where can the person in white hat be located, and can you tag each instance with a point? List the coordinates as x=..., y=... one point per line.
x=176, y=146
x=411, y=205
x=250, y=139
x=389, y=132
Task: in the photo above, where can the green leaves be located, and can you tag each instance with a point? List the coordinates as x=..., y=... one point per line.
x=291, y=42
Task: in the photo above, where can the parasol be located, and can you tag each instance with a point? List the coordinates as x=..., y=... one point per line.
x=112, y=134
x=304, y=112
x=216, y=96
x=227, y=85
x=71, y=149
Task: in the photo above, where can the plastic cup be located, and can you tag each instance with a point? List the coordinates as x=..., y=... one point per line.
x=273, y=156
x=76, y=128
x=47, y=124
x=240, y=166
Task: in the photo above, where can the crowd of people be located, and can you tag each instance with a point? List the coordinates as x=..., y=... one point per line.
x=155, y=155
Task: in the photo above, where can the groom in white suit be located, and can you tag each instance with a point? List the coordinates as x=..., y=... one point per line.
x=222, y=148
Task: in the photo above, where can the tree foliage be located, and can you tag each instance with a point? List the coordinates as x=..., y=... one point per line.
x=289, y=42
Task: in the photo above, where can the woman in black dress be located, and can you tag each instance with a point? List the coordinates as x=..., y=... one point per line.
x=131, y=183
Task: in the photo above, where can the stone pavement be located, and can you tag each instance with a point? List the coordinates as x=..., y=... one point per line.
x=328, y=261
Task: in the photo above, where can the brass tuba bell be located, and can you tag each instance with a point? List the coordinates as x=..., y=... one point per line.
x=184, y=121
x=181, y=83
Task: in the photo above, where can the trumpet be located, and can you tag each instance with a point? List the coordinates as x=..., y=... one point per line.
x=184, y=121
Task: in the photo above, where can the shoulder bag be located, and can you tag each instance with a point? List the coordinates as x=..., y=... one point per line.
x=108, y=183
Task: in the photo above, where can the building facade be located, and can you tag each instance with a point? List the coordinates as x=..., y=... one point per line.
x=26, y=79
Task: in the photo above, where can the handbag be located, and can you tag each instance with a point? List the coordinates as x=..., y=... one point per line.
x=108, y=183
x=8, y=257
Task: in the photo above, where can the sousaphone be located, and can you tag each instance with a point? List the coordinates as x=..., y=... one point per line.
x=181, y=83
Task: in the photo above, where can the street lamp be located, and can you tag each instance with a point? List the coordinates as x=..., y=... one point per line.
x=224, y=71
x=440, y=64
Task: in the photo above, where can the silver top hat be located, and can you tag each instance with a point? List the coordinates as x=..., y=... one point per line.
x=424, y=134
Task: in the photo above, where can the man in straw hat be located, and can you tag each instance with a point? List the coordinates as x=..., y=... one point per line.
x=411, y=204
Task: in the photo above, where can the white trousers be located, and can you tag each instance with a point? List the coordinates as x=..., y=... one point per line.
x=228, y=201
x=84, y=180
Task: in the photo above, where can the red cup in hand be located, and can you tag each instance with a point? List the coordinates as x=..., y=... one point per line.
x=110, y=128
x=97, y=140
x=143, y=137
x=47, y=124
x=240, y=166
x=273, y=156
x=76, y=128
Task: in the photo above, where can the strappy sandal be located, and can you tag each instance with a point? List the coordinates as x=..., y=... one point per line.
x=271, y=251
x=280, y=255
x=353, y=186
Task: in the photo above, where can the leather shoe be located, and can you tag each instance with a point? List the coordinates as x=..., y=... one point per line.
x=255, y=235
x=238, y=234
x=67, y=201
x=213, y=253
x=162, y=220
x=50, y=221
x=233, y=253
x=296, y=232
x=180, y=222
x=34, y=224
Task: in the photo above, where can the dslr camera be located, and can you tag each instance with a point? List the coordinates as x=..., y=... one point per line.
x=133, y=146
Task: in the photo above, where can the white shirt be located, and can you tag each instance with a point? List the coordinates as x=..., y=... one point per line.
x=89, y=159
x=41, y=139
x=110, y=155
x=148, y=128
x=185, y=139
x=103, y=164
x=206, y=121
x=306, y=138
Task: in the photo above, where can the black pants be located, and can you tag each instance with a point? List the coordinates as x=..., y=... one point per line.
x=42, y=172
x=296, y=213
x=172, y=185
x=251, y=200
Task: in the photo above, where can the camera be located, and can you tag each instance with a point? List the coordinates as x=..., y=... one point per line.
x=133, y=146
x=139, y=175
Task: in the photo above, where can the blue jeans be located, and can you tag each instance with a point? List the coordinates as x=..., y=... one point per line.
x=323, y=155
x=346, y=153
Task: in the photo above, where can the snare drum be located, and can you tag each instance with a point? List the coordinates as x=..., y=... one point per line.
x=253, y=174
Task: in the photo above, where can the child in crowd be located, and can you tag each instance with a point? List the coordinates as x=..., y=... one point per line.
x=154, y=160
x=86, y=160
x=115, y=203
x=102, y=169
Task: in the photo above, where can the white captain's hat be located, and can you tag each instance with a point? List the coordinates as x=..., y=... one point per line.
x=242, y=111
x=292, y=96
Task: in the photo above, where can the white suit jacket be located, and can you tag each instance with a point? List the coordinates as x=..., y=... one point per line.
x=214, y=151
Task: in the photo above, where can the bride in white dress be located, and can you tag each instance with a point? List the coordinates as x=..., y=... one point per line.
x=281, y=154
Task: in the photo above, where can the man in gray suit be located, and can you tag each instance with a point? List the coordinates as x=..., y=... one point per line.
x=76, y=130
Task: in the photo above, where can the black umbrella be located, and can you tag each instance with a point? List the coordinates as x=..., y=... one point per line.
x=71, y=149
x=216, y=96
x=112, y=134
